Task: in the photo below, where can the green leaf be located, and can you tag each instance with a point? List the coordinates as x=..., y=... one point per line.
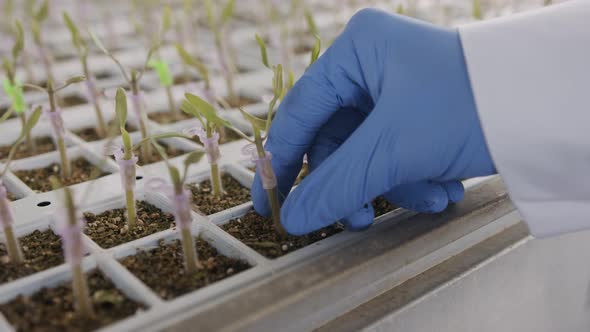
x=228, y=11
x=193, y=62
x=209, y=13
x=191, y=109
x=263, y=53
x=15, y=92
x=256, y=123
x=311, y=25
x=36, y=30
x=98, y=43
x=207, y=110
x=76, y=40
x=30, y=124
x=277, y=80
x=121, y=107
x=43, y=12
x=400, y=9
x=477, y=12
x=163, y=70
x=7, y=114
x=20, y=40
x=75, y=79
x=160, y=136
x=193, y=158
x=127, y=143
x=166, y=18
x=174, y=173
x=315, y=52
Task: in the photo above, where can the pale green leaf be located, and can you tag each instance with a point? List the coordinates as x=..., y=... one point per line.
x=256, y=123
x=166, y=18
x=193, y=62
x=315, y=52
x=228, y=11
x=43, y=12
x=207, y=110
x=311, y=25
x=121, y=107
x=263, y=52
x=75, y=79
x=98, y=43
x=193, y=158
x=191, y=109
x=20, y=40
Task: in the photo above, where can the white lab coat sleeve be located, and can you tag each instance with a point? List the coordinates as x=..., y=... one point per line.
x=530, y=75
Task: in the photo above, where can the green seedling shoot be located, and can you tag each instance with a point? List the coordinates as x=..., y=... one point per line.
x=208, y=134
x=6, y=217
x=54, y=115
x=13, y=87
x=39, y=17
x=218, y=25
x=126, y=159
x=181, y=199
x=477, y=11
x=256, y=149
x=82, y=47
x=161, y=65
x=70, y=230
x=133, y=79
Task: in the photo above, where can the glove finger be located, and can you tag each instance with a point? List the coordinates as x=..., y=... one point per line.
x=353, y=175
x=455, y=190
x=330, y=137
x=424, y=196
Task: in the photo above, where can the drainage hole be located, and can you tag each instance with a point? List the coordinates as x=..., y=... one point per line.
x=43, y=204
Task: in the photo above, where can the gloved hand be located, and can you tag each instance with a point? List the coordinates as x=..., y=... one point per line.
x=387, y=110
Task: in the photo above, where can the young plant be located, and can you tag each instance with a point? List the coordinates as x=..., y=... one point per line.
x=126, y=159
x=13, y=87
x=260, y=127
x=93, y=93
x=161, y=65
x=56, y=120
x=6, y=216
x=38, y=18
x=218, y=26
x=133, y=79
x=182, y=203
x=70, y=229
x=477, y=12
x=208, y=135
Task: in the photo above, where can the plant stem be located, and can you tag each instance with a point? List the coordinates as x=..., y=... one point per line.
x=216, y=181
x=29, y=139
x=81, y=292
x=273, y=194
x=61, y=144
x=12, y=246
x=171, y=103
x=145, y=149
x=79, y=283
x=101, y=128
x=190, y=253
x=225, y=66
x=131, y=211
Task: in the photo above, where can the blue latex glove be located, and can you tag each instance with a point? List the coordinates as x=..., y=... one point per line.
x=387, y=110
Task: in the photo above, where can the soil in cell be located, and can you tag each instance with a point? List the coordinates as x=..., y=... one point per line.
x=52, y=309
x=162, y=268
x=382, y=206
x=258, y=233
x=109, y=229
x=155, y=156
x=166, y=117
x=42, y=145
x=38, y=179
x=239, y=101
x=71, y=101
x=205, y=202
x=41, y=251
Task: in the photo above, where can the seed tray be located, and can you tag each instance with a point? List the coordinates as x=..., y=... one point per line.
x=37, y=210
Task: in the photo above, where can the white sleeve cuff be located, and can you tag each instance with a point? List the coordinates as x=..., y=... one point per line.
x=530, y=75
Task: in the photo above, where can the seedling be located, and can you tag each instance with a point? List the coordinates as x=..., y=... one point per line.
x=133, y=79
x=70, y=229
x=13, y=87
x=56, y=120
x=6, y=216
x=208, y=134
x=161, y=65
x=39, y=17
x=182, y=203
x=218, y=26
x=126, y=159
x=82, y=48
x=260, y=128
